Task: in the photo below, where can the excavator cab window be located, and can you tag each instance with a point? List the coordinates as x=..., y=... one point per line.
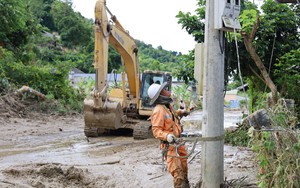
x=149, y=78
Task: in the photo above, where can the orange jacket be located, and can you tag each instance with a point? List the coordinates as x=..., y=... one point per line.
x=163, y=124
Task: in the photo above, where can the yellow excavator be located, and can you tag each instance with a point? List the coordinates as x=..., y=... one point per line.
x=110, y=109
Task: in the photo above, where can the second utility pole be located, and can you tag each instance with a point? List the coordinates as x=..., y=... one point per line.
x=212, y=160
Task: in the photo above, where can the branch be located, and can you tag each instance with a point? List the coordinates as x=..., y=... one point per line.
x=254, y=29
x=194, y=157
x=111, y=162
x=24, y=89
x=256, y=74
x=251, y=50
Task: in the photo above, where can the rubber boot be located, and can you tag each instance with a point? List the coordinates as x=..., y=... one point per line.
x=178, y=179
x=186, y=184
x=186, y=181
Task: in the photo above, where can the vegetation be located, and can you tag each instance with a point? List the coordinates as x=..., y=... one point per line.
x=278, y=150
x=42, y=40
x=273, y=30
x=238, y=137
x=158, y=59
x=185, y=93
x=287, y=72
x=49, y=33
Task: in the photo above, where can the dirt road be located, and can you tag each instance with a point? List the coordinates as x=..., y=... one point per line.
x=52, y=151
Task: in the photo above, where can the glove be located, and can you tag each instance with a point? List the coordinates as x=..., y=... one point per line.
x=182, y=113
x=185, y=113
x=170, y=138
x=179, y=113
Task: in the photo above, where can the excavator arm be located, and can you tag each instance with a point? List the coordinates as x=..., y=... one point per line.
x=102, y=33
x=112, y=32
x=121, y=108
x=100, y=112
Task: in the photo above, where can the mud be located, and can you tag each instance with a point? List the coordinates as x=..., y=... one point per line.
x=51, y=151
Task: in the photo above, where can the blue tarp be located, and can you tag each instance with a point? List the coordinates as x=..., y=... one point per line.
x=234, y=104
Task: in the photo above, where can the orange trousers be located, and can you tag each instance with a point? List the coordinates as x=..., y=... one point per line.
x=177, y=166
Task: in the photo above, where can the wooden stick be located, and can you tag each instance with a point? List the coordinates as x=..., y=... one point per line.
x=24, y=89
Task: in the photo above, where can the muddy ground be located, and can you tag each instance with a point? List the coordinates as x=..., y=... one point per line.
x=52, y=151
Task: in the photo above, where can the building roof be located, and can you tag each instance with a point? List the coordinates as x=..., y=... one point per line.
x=232, y=92
x=77, y=71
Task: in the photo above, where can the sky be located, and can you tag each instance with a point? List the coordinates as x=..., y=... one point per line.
x=152, y=22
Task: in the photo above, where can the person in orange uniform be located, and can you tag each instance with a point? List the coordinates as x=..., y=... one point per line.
x=166, y=127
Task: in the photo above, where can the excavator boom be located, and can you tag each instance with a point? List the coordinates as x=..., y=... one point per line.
x=103, y=110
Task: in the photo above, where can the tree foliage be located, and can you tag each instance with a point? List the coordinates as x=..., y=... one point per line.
x=183, y=71
x=71, y=26
x=288, y=73
x=277, y=34
x=40, y=9
x=157, y=59
x=12, y=17
x=194, y=24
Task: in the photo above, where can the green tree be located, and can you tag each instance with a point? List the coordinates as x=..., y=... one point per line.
x=186, y=64
x=288, y=73
x=72, y=27
x=12, y=20
x=19, y=30
x=40, y=9
x=277, y=33
x=194, y=24
x=12, y=16
x=157, y=59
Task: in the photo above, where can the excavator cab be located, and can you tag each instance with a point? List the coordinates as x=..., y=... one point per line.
x=148, y=78
x=143, y=130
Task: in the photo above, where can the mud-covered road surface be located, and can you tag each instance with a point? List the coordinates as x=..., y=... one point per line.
x=51, y=151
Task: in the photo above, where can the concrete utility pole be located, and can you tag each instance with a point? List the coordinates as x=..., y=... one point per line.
x=212, y=164
x=198, y=68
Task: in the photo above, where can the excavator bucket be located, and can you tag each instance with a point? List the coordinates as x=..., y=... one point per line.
x=97, y=119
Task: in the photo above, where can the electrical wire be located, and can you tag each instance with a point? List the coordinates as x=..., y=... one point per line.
x=271, y=57
x=227, y=67
x=221, y=43
x=239, y=68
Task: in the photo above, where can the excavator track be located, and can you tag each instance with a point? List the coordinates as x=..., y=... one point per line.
x=90, y=132
x=93, y=131
x=142, y=130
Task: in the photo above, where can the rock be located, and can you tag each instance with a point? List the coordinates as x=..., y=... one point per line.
x=258, y=119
